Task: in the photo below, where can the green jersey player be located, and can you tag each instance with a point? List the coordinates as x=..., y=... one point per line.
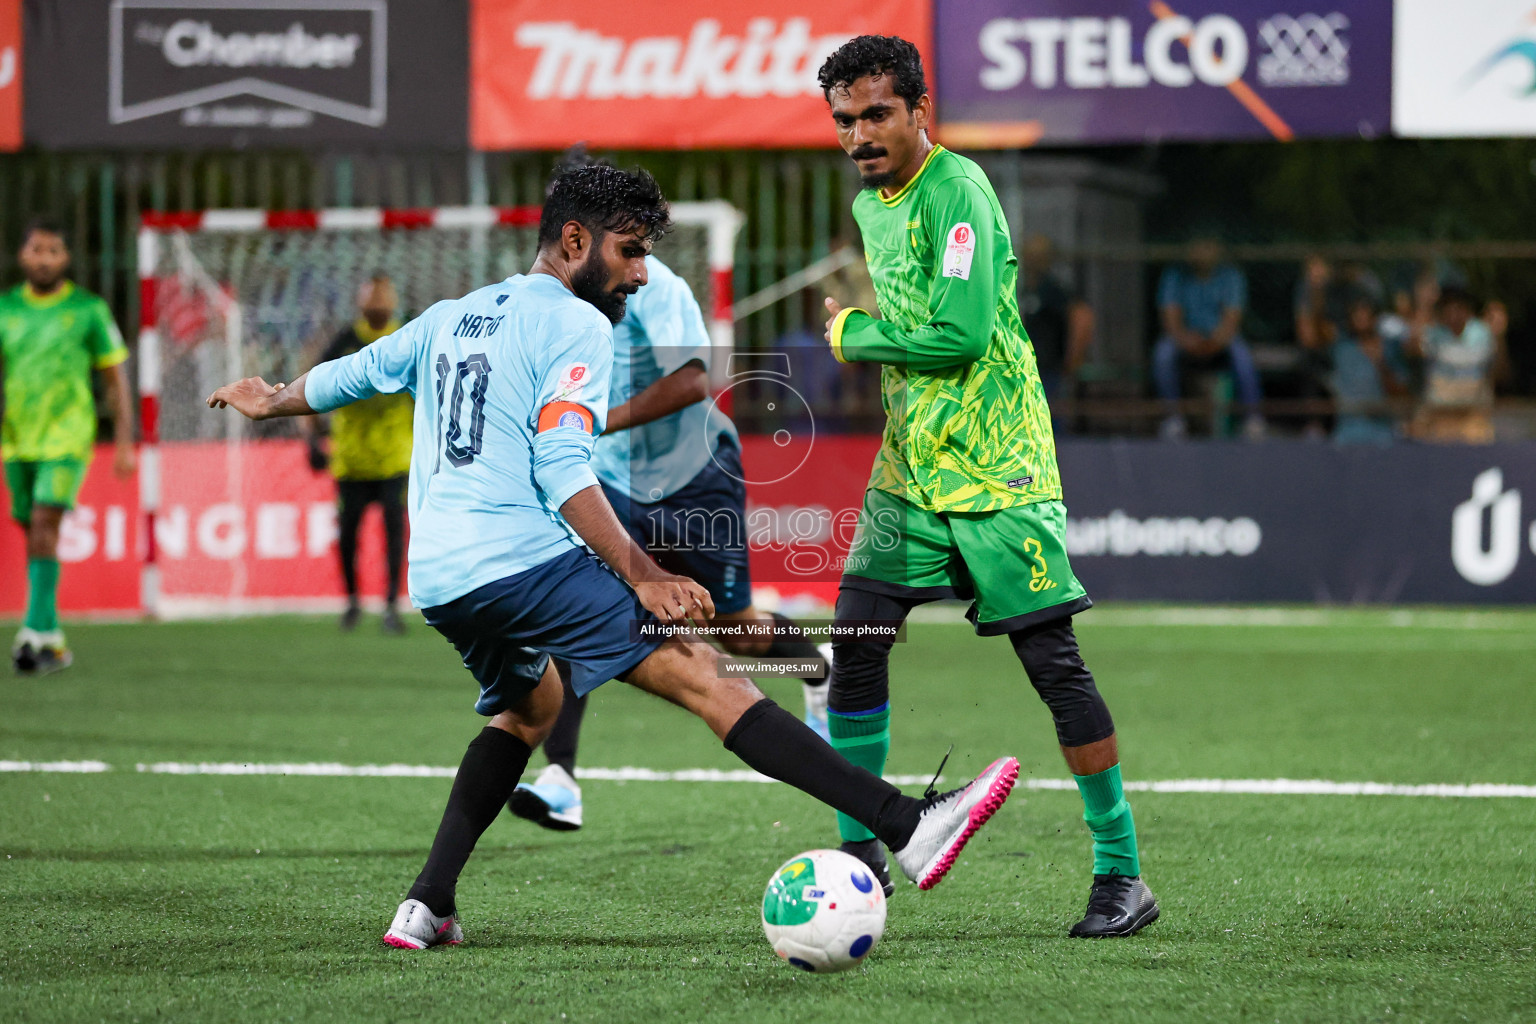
x=965, y=498
x=53, y=334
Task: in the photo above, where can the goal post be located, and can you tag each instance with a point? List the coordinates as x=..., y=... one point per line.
x=230, y=524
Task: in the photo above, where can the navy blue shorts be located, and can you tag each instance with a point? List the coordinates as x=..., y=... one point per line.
x=572, y=607
x=699, y=532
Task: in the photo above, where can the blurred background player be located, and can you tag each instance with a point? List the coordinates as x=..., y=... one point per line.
x=670, y=464
x=965, y=496
x=370, y=455
x=53, y=334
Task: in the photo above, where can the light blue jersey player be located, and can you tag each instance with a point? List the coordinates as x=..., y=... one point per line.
x=511, y=389
x=669, y=454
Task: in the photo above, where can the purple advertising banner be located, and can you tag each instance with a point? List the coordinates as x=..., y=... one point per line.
x=1020, y=72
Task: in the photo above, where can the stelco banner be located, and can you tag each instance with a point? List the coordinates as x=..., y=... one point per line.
x=1464, y=69
x=681, y=75
x=1017, y=72
x=10, y=74
x=246, y=72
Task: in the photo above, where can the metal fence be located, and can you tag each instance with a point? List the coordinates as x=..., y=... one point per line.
x=797, y=204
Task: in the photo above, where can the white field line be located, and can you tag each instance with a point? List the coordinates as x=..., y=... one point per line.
x=56, y=767
x=1251, y=787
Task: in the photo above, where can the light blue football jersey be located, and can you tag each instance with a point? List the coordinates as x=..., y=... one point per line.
x=486, y=482
x=662, y=331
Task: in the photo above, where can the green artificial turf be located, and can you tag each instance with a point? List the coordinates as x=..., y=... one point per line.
x=133, y=896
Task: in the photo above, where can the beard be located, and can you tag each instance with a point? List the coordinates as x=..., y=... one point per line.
x=588, y=285
x=875, y=180
x=44, y=282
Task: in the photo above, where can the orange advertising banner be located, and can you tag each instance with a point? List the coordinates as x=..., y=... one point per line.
x=687, y=74
x=10, y=74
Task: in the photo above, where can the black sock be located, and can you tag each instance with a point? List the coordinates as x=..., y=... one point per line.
x=794, y=645
x=489, y=772
x=776, y=743
x=560, y=748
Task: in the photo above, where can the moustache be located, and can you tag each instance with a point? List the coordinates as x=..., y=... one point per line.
x=626, y=289
x=867, y=152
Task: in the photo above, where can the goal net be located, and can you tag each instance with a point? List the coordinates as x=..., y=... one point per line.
x=235, y=520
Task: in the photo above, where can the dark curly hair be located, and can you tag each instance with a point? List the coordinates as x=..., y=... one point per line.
x=44, y=224
x=603, y=198
x=863, y=56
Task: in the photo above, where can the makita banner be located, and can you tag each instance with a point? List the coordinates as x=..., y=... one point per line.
x=682, y=75
x=10, y=74
x=246, y=72
x=1017, y=72
x=1302, y=522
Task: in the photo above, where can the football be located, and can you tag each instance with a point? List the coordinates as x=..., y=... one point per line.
x=823, y=911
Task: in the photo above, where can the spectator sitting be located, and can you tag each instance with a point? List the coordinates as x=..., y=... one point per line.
x=1059, y=322
x=1368, y=370
x=1202, y=307
x=1458, y=351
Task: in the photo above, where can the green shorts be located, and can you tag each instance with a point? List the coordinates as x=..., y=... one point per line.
x=1011, y=564
x=55, y=482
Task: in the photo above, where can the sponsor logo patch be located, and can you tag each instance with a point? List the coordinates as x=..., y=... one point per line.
x=1021, y=481
x=572, y=380
x=959, y=247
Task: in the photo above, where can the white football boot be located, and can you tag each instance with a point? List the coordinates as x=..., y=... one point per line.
x=948, y=820
x=553, y=801
x=38, y=654
x=416, y=927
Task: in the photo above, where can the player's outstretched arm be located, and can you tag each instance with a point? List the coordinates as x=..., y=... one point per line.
x=256, y=399
x=670, y=598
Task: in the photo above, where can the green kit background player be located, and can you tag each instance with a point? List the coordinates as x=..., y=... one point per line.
x=53, y=334
x=964, y=499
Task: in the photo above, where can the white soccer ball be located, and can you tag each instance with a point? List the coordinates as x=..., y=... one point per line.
x=823, y=911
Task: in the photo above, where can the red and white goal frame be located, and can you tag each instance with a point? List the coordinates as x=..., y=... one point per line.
x=158, y=255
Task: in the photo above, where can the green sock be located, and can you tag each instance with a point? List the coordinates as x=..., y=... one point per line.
x=1109, y=819
x=42, y=595
x=864, y=740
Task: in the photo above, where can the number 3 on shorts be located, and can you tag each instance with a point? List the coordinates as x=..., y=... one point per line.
x=1038, y=573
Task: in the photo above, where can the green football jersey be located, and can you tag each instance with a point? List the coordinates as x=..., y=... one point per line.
x=49, y=344
x=967, y=426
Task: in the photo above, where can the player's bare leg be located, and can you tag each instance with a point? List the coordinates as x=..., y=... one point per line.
x=491, y=767
x=553, y=799
x=40, y=647
x=1092, y=758
x=925, y=836
x=787, y=642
